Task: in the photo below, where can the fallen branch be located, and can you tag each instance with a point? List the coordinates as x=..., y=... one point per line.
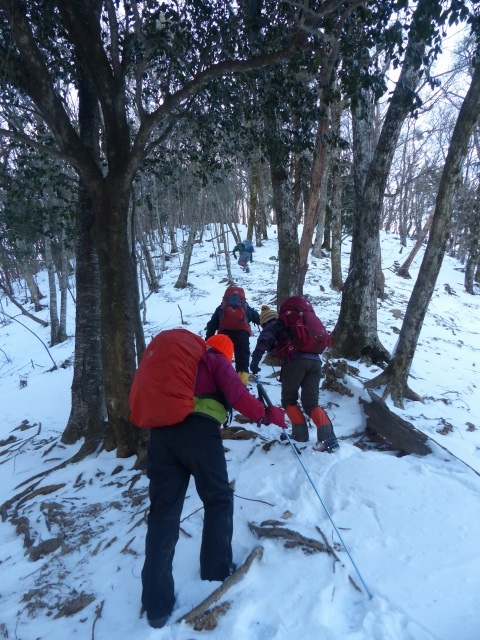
x=42, y=491
x=273, y=529
x=293, y=538
x=16, y=446
x=98, y=614
x=22, y=309
x=8, y=503
x=223, y=588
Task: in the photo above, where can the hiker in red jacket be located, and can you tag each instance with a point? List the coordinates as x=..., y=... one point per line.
x=194, y=448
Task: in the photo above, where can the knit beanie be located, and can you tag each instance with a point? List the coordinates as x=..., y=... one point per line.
x=221, y=343
x=267, y=314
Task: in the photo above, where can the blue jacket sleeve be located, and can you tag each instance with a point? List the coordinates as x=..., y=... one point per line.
x=253, y=315
x=267, y=339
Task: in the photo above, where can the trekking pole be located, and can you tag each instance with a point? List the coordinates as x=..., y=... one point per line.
x=264, y=397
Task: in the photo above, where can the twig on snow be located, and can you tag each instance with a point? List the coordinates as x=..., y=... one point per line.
x=223, y=588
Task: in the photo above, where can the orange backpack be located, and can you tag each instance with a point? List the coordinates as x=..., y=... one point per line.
x=163, y=386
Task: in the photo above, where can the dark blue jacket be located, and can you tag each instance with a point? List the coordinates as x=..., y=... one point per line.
x=274, y=337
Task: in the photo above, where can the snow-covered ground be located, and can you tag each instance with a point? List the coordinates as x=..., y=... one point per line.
x=411, y=524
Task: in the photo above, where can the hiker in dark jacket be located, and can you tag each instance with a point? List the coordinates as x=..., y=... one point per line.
x=239, y=336
x=300, y=372
x=194, y=448
x=245, y=250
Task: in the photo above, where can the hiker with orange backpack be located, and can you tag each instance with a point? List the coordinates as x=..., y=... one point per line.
x=298, y=337
x=233, y=318
x=190, y=447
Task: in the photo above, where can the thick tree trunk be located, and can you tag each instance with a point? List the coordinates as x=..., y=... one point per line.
x=88, y=415
x=395, y=377
x=288, y=252
x=355, y=333
x=318, y=176
x=119, y=312
x=284, y=209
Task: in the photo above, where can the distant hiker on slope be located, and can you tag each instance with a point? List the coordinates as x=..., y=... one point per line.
x=298, y=337
x=245, y=249
x=193, y=447
x=233, y=318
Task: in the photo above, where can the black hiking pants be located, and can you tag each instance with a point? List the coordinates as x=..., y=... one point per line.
x=304, y=375
x=241, y=348
x=191, y=448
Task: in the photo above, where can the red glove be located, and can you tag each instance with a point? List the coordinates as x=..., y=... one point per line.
x=275, y=415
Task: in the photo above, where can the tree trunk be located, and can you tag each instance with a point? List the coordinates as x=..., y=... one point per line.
x=52, y=287
x=88, y=415
x=395, y=377
x=355, y=333
x=322, y=209
x=146, y=256
x=35, y=293
x=119, y=312
x=254, y=199
x=283, y=206
x=288, y=252
x=336, y=255
x=319, y=170
x=318, y=175
x=473, y=245
x=403, y=271
x=182, y=281
x=63, y=285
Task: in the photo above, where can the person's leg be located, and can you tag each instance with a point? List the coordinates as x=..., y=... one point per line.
x=241, y=346
x=326, y=440
x=168, y=485
x=293, y=374
x=310, y=385
x=208, y=466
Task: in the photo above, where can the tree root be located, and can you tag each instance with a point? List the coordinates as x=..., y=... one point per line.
x=384, y=378
x=201, y=608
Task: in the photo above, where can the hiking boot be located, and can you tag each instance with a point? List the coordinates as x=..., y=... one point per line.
x=327, y=446
x=300, y=432
x=158, y=623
